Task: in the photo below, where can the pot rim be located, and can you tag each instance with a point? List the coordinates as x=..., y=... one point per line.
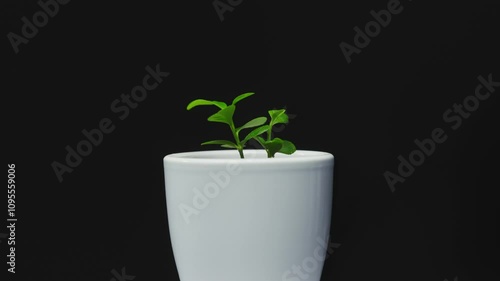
x=252, y=157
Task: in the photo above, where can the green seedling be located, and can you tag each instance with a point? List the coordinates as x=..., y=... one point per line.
x=261, y=131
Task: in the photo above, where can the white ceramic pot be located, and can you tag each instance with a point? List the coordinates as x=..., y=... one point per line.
x=251, y=219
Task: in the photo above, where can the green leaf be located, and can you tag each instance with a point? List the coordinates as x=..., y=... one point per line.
x=255, y=132
x=229, y=146
x=220, y=104
x=288, y=147
x=273, y=146
x=278, y=116
x=242, y=96
x=199, y=102
x=224, y=115
x=223, y=143
x=253, y=123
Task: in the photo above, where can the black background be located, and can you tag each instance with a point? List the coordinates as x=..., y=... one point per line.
x=110, y=213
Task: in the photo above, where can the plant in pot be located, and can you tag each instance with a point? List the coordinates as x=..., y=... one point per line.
x=241, y=214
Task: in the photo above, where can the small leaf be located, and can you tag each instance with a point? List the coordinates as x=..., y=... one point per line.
x=273, y=146
x=242, y=96
x=255, y=132
x=278, y=116
x=224, y=115
x=199, y=102
x=288, y=147
x=223, y=143
x=229, y=146
x=220, y=104
x=253, y=123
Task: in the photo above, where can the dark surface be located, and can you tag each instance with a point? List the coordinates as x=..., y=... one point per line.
x=109, y=212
